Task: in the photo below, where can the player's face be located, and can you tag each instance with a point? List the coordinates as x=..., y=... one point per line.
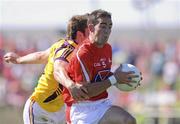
x=102, y=30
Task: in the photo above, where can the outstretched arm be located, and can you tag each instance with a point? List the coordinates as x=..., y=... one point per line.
x=40, y=57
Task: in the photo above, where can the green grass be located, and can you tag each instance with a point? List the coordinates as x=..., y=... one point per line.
x=11, y=115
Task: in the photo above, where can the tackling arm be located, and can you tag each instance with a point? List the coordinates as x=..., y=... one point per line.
x=40, y=57
x=60, y=74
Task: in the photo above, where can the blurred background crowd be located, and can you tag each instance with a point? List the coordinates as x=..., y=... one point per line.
x=153, y=46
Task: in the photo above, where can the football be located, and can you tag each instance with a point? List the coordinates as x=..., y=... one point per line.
x=130, y=86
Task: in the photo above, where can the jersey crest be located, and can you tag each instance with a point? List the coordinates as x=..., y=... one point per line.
x=102, y=75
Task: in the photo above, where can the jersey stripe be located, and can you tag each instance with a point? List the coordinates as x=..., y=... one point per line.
x=69, y=46
x=31, y=116
x=67, y=52
x=82, y=66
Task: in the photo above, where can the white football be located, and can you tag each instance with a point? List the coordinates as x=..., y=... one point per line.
x=133, y=85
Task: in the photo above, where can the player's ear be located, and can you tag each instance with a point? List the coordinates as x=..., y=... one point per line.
x=80, y=36
x=91, y=27
x=86, y=32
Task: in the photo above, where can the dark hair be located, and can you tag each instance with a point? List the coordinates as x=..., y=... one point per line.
x=93, y=16
x=76, y=23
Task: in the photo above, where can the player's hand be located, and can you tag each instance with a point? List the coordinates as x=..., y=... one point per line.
x=11, y=58
x=139, y=83
x=78, y=92
x=124, y=77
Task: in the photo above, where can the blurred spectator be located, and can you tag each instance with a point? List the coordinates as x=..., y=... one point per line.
x=170, y=73
x=1, y=53
x=157, y=59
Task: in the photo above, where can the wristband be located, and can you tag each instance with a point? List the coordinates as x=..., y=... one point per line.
x=112, y=80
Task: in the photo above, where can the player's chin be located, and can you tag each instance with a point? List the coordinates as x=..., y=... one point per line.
x=104, y=41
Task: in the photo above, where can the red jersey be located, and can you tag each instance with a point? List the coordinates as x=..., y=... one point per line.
x=91, y=64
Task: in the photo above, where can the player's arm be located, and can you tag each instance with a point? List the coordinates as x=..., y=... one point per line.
x=96, y=88
x=40, y=57
x=61, y=75
x=118, y=76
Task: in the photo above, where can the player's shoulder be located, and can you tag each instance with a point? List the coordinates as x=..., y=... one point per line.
x=90, y=47
x=63, y=43
x=71, y=42
x=83, y=48
x=67, y=42
x=107, y=45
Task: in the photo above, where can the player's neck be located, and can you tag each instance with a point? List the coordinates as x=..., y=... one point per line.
x=93, y=41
